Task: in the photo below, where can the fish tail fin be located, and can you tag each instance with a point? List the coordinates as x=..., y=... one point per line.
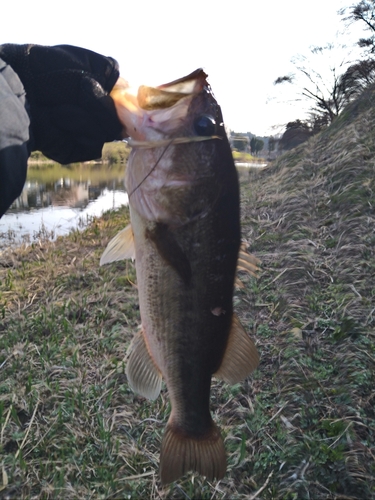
x=181, y=453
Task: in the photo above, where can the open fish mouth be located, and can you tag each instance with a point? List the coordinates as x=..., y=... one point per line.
x=168, y=94
x=151, y=113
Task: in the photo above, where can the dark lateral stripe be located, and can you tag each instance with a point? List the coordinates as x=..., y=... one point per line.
x=170, y=250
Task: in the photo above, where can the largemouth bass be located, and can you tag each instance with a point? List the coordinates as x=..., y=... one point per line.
x=185, y=237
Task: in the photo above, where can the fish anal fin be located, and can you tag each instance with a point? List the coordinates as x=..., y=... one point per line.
x=143, y=375
x=120, y=247
x=181, y=453
x=241, y=356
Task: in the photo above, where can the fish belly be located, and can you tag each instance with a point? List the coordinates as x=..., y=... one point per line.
x=186, y=317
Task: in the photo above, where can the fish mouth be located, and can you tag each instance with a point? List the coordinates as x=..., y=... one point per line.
x=152, y=113
x=168, y=94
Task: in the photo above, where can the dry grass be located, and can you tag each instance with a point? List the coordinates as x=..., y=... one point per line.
x=311, y=222
x=70, y=426
x=302, y=427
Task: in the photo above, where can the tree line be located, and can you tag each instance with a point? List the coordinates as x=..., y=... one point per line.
x=247, y=142
x=329, y=97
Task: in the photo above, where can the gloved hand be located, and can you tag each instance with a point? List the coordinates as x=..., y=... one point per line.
x=67, y=89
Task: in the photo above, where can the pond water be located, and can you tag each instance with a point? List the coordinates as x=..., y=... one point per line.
x=57, y=199
x=251, y=165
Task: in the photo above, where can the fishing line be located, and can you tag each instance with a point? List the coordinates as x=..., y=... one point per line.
x=167, y=143
x=153, y=168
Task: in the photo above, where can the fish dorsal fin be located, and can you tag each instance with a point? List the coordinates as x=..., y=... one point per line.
x=238, y=283
x=120, y=247
x=143, y=375
x=241, y=356
x=248, y=262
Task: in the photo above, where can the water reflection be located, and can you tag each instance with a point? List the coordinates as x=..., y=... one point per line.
x=57, y=199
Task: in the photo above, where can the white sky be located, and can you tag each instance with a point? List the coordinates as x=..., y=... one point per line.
x=243, y=45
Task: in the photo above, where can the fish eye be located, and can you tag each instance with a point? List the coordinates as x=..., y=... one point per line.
x=204, y=125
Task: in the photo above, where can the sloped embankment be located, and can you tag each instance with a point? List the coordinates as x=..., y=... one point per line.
x=301, y=427
x=310, y=218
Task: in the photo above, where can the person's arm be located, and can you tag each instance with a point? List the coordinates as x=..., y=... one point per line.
x=67, y=88
x=14, y=137
x=71, y=112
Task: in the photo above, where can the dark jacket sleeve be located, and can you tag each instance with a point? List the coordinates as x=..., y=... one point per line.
x=67, y=88
x=14, y=137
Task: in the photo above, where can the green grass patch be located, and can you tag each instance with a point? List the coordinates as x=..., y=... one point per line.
x=302, y=427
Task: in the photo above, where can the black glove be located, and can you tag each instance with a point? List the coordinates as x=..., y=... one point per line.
x=67, y=89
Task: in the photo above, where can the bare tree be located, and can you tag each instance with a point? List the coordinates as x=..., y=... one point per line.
x=364, y=12
x=319, y=80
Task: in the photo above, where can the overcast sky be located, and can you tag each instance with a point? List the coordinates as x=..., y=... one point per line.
x=243, y=45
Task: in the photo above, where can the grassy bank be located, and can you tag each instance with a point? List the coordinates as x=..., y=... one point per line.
x=302, y=427
x=112, y=153
x=240, y=156
x=79, y=172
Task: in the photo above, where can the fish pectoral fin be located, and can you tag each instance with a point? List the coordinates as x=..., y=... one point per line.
x=241, y=356
x=143, y=375
x=120, y=247
x=181, y=453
